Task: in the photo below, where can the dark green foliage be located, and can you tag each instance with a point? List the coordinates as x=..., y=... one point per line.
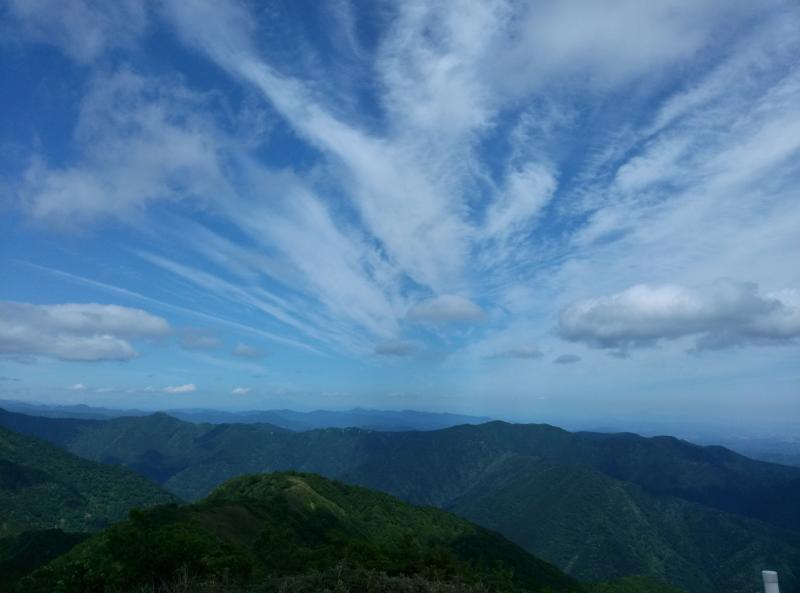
x=267, y=528
x=23, y=553
x=343, y=578
x=44, y=487
x=632, y=584
x=606, y=528
x=598, y=506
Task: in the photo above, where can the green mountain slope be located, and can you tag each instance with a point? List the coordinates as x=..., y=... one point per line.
x=21, y=554
x=599, y=506
x=259, y=528
x=44, y=487
x=607, y=527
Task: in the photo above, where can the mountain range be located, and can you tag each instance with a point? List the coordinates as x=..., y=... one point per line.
x=291, y=532
x=599, y=506
x=44, y=487
x=384, y=420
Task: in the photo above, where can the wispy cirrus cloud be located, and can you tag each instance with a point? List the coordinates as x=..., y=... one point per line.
x=466, y=173
x=83, y=29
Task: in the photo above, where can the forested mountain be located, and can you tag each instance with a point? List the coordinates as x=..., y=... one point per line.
x=295, y=532
x=600, y=506
x=43, y=487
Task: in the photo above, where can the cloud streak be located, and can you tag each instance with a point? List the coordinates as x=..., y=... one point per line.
x=188, y=388
x=469, y=178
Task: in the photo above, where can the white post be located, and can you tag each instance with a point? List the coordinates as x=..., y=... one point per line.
x=770, y=578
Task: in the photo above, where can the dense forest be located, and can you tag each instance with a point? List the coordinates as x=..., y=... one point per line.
x=707, y=520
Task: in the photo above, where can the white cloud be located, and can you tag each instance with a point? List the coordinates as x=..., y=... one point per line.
x=449, y=189
x=244, y=351
x=75, y=332
x=241, y=390
x=83, y=29
x=723, y=314
x=188, y=388
x=139, y=141
x=527, y=191
x=78, y=387
x=608, y=42
x=398, y=348
x=445, y=308
x=403, y=200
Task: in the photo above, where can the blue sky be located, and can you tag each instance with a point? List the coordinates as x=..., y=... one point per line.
x=533, y=210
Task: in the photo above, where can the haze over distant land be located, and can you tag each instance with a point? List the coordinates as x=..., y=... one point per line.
x=584, y=214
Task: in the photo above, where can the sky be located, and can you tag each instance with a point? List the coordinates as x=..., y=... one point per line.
x=579, y=211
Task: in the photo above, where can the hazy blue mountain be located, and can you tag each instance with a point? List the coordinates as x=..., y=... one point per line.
x=384, y=420
x=80, y=411
x=776, y=450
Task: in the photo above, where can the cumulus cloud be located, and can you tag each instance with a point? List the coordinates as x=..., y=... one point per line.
x=78, y=387
x=198, y=339
x=75, y=331
x=445, y=308
x=396, y=348
x=241, y=391
x=566, y=359
x=244, y=351
x=720, y=315
x=188, y=388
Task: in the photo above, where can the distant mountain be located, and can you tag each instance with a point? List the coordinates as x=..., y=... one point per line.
x=776, y=450
x=44, y=487
x=600, y=506
x=383, y=420
x=292, y=532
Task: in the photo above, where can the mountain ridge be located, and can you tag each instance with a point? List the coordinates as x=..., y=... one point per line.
x=263, y=526
x=43, y=487
x=485, y=472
